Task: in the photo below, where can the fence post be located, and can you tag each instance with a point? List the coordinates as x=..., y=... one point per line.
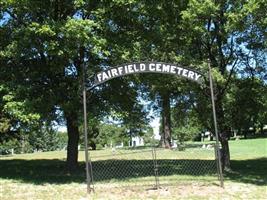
x=155, y=164
x=88, y=179
x=216, y=128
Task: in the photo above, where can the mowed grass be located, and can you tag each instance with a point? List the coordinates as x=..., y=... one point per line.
x=43, y=175
x=248, y=149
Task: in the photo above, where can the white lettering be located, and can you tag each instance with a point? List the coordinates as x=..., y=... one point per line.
x=142, y=67
x=146, y=67
x=152, y=67
x=99, y=76
x=126, y=69
x=114, y=72
x=158, y=67
x=135, y=69
x=185, y=71
x=130, y=69
x=191, y=74
x=179, y=70
x=166, y=68
x=120, y=70
x=105, y=76
x=173, y=69
x=109, y=74
x=197, y=76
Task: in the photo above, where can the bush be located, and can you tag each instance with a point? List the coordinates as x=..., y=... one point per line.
x=7, y=146
x=183, y=134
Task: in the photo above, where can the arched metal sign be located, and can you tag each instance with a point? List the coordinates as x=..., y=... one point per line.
x=147, y=67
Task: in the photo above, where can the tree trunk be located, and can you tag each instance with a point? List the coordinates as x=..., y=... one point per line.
x=92, y=144
x=211, y=136
x=73, y=140
x=223, y=135
x=166, y=121
x=245, y=134
x=225, y=151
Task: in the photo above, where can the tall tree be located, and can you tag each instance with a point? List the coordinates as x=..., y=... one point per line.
x=215, y=30
x=47, y=47
x=157, y=28
x=47, y=44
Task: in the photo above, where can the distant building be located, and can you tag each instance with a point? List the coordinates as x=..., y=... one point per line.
x=136, y=141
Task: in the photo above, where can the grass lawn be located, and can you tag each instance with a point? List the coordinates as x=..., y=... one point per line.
x=42, y=175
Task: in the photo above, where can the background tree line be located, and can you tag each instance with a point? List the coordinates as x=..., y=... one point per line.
x=44, y=45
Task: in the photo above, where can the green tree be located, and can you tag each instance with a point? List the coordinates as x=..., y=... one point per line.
x=218, y=30
x=46, y=138
x=111, y=134
x=16, y=116
x=158, y=27
x=47, y=43
x=186, y=122
x=44, y=45
x=246, y=105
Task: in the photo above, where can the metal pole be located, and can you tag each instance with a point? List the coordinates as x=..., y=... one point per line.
x=85, y=132
x=215, y=127
x=155, y=167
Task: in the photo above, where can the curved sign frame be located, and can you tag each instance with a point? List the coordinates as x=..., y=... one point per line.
x=147, y=67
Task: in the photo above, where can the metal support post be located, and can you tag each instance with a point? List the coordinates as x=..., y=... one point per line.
x=218, y=153
x=155, y=168
x=88, y=179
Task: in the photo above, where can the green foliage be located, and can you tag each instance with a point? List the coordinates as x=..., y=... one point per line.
x=19, y=110
x=7, y=146
x=246, y=104
x=111, y=135
x=108, y=135
x=148, y=136
x=185, y=114
x=183, y=134
x=44, y=45
x=41, y=139
x=16, y=116
x=47, y=139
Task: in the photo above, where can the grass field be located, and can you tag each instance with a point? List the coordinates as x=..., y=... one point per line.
x=42, y=175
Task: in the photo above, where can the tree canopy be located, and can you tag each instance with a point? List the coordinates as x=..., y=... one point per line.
x=45, y=44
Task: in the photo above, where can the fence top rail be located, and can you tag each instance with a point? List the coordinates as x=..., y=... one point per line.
x=118, y=153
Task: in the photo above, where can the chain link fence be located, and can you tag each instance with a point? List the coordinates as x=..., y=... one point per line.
x=152, y=166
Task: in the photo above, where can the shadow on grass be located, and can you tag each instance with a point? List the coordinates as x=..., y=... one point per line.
x=127, y=169
x=38, y=171
x=251, y=171
x=52, y=171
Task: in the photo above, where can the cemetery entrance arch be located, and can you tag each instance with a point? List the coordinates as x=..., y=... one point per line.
x=148, y=67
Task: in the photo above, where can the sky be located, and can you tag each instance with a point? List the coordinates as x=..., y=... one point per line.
x=155, y=125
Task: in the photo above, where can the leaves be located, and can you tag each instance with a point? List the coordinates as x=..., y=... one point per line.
x=45, y=44
x=18, y=110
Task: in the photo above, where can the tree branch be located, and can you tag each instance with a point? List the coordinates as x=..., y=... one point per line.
x=229, y=78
